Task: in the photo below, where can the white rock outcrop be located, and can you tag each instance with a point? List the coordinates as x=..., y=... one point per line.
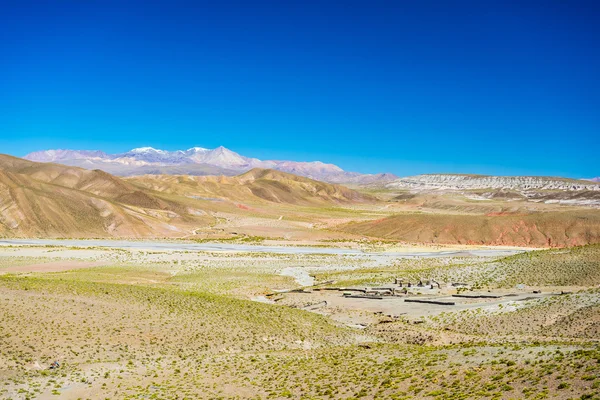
x=470, y=182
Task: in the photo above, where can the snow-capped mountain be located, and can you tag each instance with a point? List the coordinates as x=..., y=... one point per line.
x=58, y=155
x=225, y=158
x=153, y=156
x=197, y=161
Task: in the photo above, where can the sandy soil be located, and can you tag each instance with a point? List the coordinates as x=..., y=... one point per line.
x=56, y=266
x=301, y=275
x=396, y=306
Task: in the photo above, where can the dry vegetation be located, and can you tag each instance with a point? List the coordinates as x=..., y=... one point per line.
x=572, y=316
x=140, y=323
x=576, y=266
x=158, y=324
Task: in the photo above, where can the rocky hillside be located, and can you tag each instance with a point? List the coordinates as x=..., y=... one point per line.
x=543, y=229
x=468, y=182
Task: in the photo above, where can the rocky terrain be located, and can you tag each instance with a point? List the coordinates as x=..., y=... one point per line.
x=535, y=189
x=198, y=161
x=471, y=182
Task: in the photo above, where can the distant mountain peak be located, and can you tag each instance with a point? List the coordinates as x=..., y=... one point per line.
x=62, y=154
x=145, y=150
x=197, y=150
x=198, y=160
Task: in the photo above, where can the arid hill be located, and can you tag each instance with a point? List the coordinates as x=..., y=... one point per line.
x=255, y=185
x=542, y=229
x=51, y=200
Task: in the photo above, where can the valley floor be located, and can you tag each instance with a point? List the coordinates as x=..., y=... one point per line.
x=232, y=320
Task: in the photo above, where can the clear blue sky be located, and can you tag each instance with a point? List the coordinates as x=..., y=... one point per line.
x=500, y=87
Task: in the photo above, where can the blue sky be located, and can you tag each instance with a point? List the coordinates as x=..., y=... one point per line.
x=497, y=87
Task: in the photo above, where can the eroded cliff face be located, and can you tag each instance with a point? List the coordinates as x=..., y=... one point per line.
x=467, y=182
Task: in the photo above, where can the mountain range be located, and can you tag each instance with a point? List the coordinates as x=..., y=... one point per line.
x=538, y=189
x=473, y=182
x=198, y=161
x=54, y=200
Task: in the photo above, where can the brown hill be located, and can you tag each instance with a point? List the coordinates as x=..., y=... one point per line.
x=257, y=185
x=555, y=229
x=51, y=200
x=94, y=182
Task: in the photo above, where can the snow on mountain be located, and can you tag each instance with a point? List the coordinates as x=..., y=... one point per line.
x=202, y=161
x=154, y=156
x=59, y=155
x=146, y=150
x=197, y=160
x=223, y=157
x=196, y=153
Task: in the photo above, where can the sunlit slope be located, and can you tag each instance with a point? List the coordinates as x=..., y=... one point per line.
x=577, y=266
x=51, y=200
x=543, y=229
x=94, y=182
x=257, y=185
x=139, y=331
